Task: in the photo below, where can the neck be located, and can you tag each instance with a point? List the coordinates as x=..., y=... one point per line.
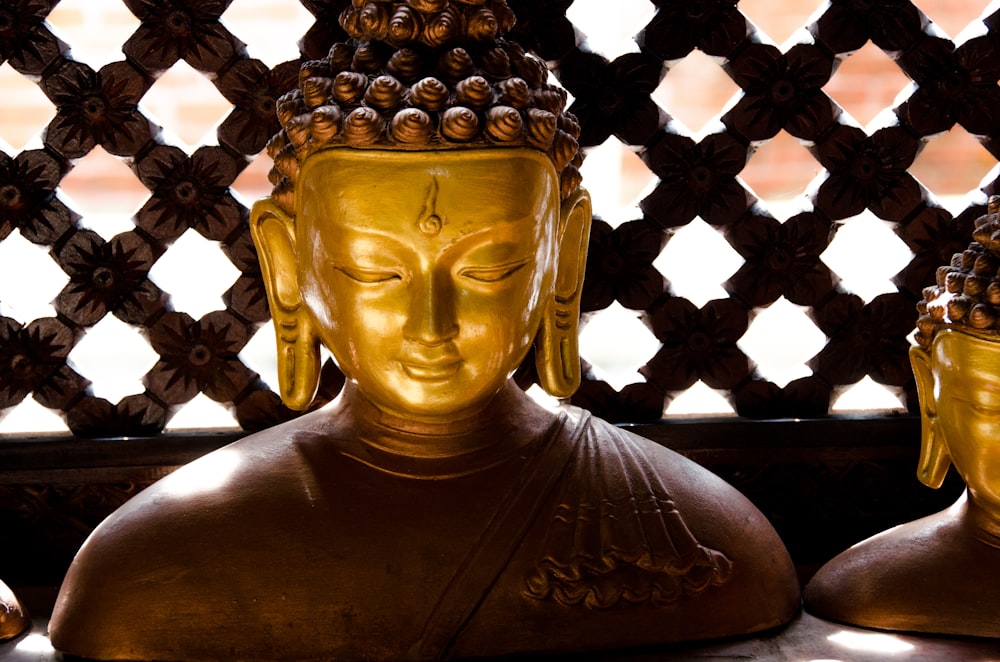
x=987, y=522
x=502, y=425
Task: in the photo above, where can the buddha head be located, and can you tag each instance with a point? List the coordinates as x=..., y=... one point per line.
x=426, y=222
x=956, y=363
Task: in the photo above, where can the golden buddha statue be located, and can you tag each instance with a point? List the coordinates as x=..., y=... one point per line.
x=427, y=226
x=940, y=574
x=13, y=618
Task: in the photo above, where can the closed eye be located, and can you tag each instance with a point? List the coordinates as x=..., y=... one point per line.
x=492, y=274
x=988, y=409
x=369, y=275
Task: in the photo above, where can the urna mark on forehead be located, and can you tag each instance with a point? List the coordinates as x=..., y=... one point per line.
x=382, y=189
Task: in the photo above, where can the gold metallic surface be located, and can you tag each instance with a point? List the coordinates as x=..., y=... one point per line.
x=13, y=618
x=433, y=510
x=939, y=574
x=442, y=268
x=427, y=226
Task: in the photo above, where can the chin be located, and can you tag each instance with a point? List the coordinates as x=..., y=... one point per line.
x=433, y=398
x=427, y=403
x=441, y=409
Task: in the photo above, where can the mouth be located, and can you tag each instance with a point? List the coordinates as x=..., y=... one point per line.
x=438, y=371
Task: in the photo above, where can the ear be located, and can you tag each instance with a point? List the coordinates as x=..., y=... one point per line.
x=934, y=458
x=273, y=232
x=557, y=355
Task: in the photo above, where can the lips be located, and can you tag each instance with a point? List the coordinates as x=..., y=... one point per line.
x=424, y=365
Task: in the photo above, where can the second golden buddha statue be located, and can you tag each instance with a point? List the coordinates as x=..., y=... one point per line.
x=13, y=617
x=940, y=574
x=427, y=226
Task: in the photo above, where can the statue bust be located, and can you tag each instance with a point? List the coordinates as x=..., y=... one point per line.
x=939, y=574
x=13, y=617
x=427, y=226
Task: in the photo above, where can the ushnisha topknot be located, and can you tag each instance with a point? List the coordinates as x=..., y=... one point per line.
x=423, y=75
x=967, y=294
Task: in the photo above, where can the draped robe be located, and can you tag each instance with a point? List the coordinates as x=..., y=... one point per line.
x=300, y=542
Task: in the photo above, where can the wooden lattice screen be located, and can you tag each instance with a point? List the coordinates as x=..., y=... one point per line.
x=783, y=90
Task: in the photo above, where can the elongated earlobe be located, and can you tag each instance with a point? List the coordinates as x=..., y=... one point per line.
x=557, y=353
x=934, y=457
x=273, y=233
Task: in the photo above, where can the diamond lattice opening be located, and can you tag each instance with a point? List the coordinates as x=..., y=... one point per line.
x=104, y=191
x=781, y=169
x=256, y=22
x=951, y=165
x=187, y=105
x=552, y=80
x=26, y=111
x=29, y=417
x=94, y=31
x=114, y=357
x=866, y=254
x=252, y=184
x=617, y=362
x=779, y=20
x=260, y=355
x=866, y=83
x=699, y=400
x=616, y=179
x=684, y=263
x=950, y=16
x=196, y=273
x=867, y=395
x=200, y=413
x=29, y=279
x=780, y=340
x=610, y=32
x=695, y=91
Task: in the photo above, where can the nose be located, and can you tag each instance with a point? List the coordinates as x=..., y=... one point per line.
x=431, y=319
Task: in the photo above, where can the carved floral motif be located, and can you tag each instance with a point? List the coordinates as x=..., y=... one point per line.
x=956, y=85
x=108, y=276
x=25, y=41
x=27, y=197
x=892, y=25
x=697, y=344
x=782, y=259
x=620, y=266
x=613, y=97
x=190, y=192
x=173, y=30
x=680, y=26
x=868, y=172
x=96, y=108
x=781, y=91
x=865, y=339
x=542, y=27
x=198, y=356
x=30, y=355
x=696, y=179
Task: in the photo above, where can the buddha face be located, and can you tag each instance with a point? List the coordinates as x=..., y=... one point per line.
x=426, y=274
x=961, y=380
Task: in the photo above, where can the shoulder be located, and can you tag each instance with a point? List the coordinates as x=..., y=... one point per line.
x=694, y=489
x=926, y=576
x=165, y=560
x=753, y=576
